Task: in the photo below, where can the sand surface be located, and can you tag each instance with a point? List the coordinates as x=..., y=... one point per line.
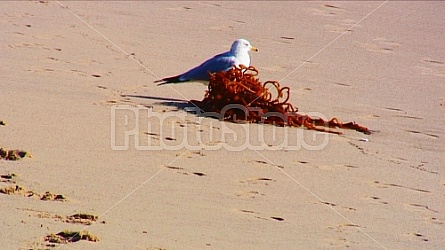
x=66, y=65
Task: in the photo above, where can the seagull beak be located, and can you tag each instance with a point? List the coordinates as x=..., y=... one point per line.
x=254, y=49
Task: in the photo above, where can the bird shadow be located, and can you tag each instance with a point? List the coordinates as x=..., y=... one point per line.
x=184, y=105
x=155, y=98
x=166, y=101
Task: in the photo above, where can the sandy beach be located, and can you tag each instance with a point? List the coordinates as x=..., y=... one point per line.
x=117, y=158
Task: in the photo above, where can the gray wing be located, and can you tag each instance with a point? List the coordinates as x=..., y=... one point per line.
x=221, y=62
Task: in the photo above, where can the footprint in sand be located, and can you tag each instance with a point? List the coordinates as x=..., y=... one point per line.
x=333, y=167
x=379, y=184
x=375, y=199
x=325, y=10
x=422, y=166
x=25, y=45
x=180, y=8
x=225, y=28
x=339, y=28
x=262, y=217
x=156, y=136
x=342, y=84
x=340, y=242
x=431, y=67
x=259, y=180
x=417, y=236
x=266, y=163
x=421, y=208
x=182, y=171
x=415, y=132
x=381, y=45
x=335, y=205
x=321, y=12
x=401, y=113
x=249, y=194
x=274, y=68
x=78, y=218
x=429, y=214
x=342, y=229
x=336, y=167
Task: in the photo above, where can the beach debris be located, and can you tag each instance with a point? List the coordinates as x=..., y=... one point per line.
x=8, y=178
x=364, y=139
x=19, y=190
x=44, y=215
x=82, y=218
x=47, y=196
x=78, y=218
x=2, y=123
x=68, y=236
x=237, y=95
x=13, y=155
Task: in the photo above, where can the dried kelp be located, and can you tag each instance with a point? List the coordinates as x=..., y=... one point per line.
x=238, y=95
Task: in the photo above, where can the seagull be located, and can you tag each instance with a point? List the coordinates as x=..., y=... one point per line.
x=238, y=54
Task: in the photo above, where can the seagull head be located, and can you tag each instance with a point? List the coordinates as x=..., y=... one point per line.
x=241, y=46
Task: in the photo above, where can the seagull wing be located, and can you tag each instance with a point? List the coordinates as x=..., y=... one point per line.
x=221, y=62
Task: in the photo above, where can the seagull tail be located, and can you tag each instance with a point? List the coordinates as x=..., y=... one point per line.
x=167, y=80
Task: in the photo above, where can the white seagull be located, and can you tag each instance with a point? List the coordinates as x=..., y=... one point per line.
x=238, y=54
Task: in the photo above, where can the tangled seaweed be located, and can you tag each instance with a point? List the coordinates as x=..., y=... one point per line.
x=238, y=95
